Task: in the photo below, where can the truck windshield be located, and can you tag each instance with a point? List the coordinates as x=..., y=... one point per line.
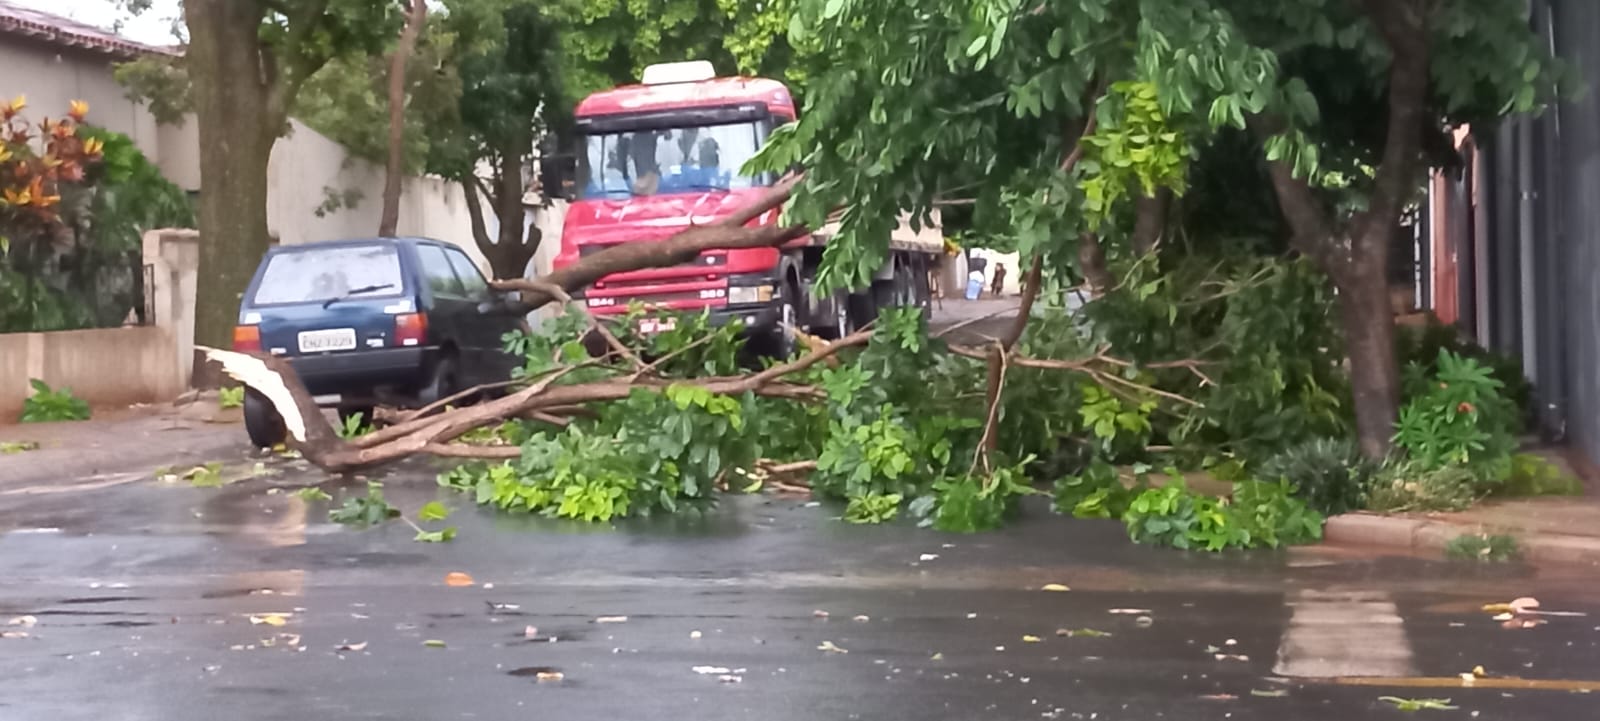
x=669, y=160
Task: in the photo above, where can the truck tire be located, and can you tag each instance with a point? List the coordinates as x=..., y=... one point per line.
x=261, y=421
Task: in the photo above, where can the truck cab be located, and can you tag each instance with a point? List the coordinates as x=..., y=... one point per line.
x=660, y=156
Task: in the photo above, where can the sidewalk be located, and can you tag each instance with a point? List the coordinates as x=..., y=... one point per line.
x=117, y=444
x=1548, y=529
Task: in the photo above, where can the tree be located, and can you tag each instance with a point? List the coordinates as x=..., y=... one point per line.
x=926, y=96
x=247, y=61
x=394, y=167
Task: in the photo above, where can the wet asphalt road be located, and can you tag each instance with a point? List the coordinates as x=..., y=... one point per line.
x=143, y=594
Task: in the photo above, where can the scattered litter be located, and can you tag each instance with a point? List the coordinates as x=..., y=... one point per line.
x=352, y=646
x=862, y=619
x=611, y=619
x=503, y=606
x=695, y=635
x=1273, y=693
x=937, y=657
x=1144, y=622
x=1030, y=639
x=1054, y=587
x=1219, y=697
x=819, y=613
x=1085, y=632
x=488, y=587
x=458, y=579
x=1129, y=611
x=550, y=676
x=929, y=557
x=972, y=615
x=271, y=619
x=715, y=670
x=1507, y=616
x=730, y=678
x=1419, y=704
x=1230, y=642
x=813, y=504
x=433, y=643
x=23, y=621
x=530, y=632
x=1232, y=657
x=13, y=634
x=999, y=648
x=829, y=647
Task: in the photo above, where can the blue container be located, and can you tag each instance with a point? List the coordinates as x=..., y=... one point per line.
x=974, y=288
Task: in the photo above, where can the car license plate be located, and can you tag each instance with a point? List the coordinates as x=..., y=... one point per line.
x=319, y=341
x=657, y=325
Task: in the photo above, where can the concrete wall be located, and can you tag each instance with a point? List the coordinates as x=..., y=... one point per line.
x=106, y=367
x=52, y=77
x=306, y=165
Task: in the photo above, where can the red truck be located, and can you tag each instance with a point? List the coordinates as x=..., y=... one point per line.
x=655, y=157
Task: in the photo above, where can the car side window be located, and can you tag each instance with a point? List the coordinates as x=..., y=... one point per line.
x=472, y=280
x=440, y=276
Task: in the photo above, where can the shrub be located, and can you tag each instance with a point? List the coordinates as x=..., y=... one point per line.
x=1329, y=474
x=1409, y=486
x=1457, y=416
x=48, y=405
x=1482, y=547
x=1535, y=476
x=1258, y=515
x=1421, y=346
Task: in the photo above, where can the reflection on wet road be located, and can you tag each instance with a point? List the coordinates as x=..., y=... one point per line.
x=169, y=602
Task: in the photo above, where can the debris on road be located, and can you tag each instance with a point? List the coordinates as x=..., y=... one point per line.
x=829, y=647
x=352, y=646
x=458, y=579
x=23, y=621
x=862, y=619
x=611, y=619
x=1054, y=587
x=1419, y=704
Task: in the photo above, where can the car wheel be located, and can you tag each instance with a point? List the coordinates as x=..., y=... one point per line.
x=261, y=421
x=442, y=383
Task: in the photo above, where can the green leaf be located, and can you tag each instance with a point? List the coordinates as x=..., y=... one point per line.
x=832, y=9
x=312, y=493
x=441, y=536
x=977, y=45
x=433, y=511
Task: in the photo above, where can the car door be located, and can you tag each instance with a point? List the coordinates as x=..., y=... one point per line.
x=451, y=315
x=489, y=324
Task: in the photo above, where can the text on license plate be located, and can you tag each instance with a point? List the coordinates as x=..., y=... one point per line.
x=657, y=325
x=318, y=341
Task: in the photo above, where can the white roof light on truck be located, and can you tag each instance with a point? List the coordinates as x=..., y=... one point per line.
x=692, y=71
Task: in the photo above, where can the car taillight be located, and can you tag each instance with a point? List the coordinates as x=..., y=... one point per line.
x=410, y=329
x=246, y=338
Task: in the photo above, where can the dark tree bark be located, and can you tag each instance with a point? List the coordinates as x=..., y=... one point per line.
x=1150, y=220
x=394, y=169
x=511, y=249
x=239, y=106
x=1356, y=254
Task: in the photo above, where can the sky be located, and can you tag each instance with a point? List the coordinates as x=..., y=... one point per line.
x=153, y=27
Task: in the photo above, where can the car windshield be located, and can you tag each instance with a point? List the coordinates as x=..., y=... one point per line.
x=319, y=274
x=669, y=160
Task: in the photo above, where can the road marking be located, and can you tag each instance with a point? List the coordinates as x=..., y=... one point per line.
x=1344, y=634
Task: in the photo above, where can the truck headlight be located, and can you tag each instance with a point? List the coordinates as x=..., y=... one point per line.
x=749, y=294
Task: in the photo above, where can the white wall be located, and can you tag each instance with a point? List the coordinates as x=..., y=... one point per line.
x=52, y=77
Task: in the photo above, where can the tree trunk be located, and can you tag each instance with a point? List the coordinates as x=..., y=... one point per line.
x=1092, y=263
x=1150, y=220
x=394, y=170
x=1369, y=344
x=238, y=124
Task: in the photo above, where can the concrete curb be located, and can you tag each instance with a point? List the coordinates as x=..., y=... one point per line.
x=1432, y=534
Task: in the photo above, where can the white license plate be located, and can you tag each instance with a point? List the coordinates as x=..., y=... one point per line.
x=657, y=325
x=320, y=341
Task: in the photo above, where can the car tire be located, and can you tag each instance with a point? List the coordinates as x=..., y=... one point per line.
x=443, y=381
x=261, y=421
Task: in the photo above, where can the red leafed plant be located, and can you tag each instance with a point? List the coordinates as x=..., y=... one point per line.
x=35, y=167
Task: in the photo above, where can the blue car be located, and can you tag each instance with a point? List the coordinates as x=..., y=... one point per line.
x=377, y=321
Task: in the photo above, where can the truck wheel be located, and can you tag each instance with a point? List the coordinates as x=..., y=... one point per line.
x=781, y=340
x=261, y=421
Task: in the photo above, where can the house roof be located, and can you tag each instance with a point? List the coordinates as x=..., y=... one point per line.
x=68, y=33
